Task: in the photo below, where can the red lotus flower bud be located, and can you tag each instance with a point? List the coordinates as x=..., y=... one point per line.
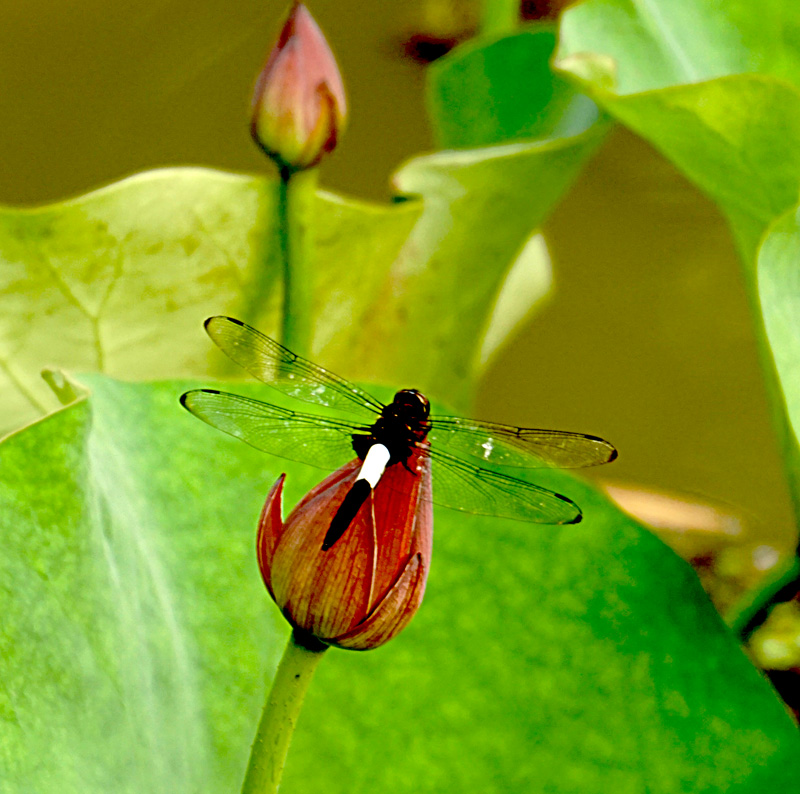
x=299, y=107
x=365, y=589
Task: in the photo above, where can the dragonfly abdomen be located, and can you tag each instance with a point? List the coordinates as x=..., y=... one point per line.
x=347, y=511
x=375, y=461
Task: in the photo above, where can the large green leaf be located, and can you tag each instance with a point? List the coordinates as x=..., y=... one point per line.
x=136, y=637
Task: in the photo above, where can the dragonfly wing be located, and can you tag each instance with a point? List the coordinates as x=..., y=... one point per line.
x=518, y=447
x=463, y=486
x=316, y=440
x=285, y=371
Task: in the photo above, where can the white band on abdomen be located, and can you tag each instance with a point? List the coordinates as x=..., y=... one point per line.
x=374, y=464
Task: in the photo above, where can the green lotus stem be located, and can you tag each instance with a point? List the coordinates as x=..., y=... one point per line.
x=281, y=711
x=499, y=16
x=296, y=196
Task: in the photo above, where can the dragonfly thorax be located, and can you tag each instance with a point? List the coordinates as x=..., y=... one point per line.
x=402, y=426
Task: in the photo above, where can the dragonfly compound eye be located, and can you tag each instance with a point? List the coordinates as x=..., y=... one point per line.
x=414, y=403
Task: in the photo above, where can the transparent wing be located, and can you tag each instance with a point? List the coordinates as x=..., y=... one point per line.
x=287, y=372
x=316, y=440
x=327, y=443
x=519, y=447
x=474, y=489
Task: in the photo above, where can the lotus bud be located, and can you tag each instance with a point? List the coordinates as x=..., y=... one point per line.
x=365, y=589
x=299, y=106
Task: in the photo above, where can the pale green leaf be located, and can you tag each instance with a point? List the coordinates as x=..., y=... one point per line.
x=779, y=288
x=120, y=280
x=660, y=43
x=526, y=285
x=738, y=136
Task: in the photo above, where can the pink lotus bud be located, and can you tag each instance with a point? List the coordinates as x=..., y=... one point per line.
x=365, y=589
x=299, y=107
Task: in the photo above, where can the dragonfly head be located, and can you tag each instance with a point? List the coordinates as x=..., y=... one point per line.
x=412, y=405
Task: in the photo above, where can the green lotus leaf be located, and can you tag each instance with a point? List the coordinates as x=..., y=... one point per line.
x=137, y=638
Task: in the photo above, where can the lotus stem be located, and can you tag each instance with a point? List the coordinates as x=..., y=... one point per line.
x=281, y=712
x=296, y=196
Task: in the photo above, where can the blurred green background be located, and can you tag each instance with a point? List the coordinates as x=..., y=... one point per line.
x=646, y=339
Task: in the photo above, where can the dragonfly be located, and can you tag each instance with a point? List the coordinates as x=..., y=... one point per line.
x=473, y=464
